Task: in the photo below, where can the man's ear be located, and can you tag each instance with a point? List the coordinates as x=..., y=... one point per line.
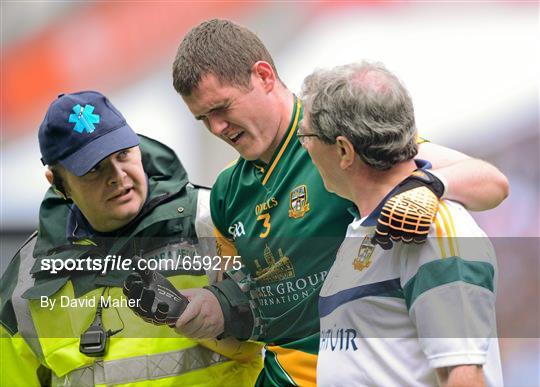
x=345, y=151
x=263, y=73
x=49, y=175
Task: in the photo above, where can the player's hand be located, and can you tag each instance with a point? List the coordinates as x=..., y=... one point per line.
x=407, y=215
x=203, y=318
x=157, y=300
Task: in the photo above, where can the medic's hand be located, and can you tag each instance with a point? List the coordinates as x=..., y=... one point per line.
x=407, y=215
x=158, y=300
x=203, y=318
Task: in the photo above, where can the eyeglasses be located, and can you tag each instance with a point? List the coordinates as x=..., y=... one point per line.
x=302, y=137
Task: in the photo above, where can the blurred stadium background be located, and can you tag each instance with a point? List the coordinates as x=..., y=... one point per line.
x=472, y=69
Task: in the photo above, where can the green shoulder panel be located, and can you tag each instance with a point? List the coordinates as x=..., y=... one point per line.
x=444, y=271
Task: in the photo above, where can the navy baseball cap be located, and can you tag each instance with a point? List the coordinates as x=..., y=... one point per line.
x=81, y=129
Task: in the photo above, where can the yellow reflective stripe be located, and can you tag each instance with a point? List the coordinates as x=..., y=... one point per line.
x=289, y=136
x=454, y=238
x=174, y=364
x=298, y=365
x=439, y=237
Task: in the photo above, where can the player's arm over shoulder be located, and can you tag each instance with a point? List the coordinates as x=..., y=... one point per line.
x=475, y=183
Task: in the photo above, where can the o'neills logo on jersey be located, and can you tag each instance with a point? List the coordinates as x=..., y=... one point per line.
x=363, y=259
x=299, y=203
x=237, y=229
x=276, y=270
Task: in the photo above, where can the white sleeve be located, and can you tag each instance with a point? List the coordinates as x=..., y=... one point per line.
x=449, y=286
x=204, y=228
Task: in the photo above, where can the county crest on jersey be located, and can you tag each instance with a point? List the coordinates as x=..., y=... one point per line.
x=299, y=203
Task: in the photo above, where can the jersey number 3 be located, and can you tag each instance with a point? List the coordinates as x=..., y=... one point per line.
x=266, y=223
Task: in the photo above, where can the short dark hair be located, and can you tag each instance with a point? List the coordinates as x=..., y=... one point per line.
x=221, y=48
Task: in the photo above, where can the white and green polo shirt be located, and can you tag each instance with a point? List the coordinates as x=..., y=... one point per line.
x=391, y=317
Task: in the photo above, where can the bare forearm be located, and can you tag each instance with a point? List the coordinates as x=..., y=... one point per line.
x=476, y=184
x=461, y=376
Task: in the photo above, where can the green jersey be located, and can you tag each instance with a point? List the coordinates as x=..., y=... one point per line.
x=287, y=228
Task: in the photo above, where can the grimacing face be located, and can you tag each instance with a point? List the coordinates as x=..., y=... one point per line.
x=112, y=193
x=244, y=119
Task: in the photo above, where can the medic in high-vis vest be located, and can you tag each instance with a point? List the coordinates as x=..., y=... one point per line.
x=117, y=199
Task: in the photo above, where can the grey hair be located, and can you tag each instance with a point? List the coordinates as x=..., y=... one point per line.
x=368, y=105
